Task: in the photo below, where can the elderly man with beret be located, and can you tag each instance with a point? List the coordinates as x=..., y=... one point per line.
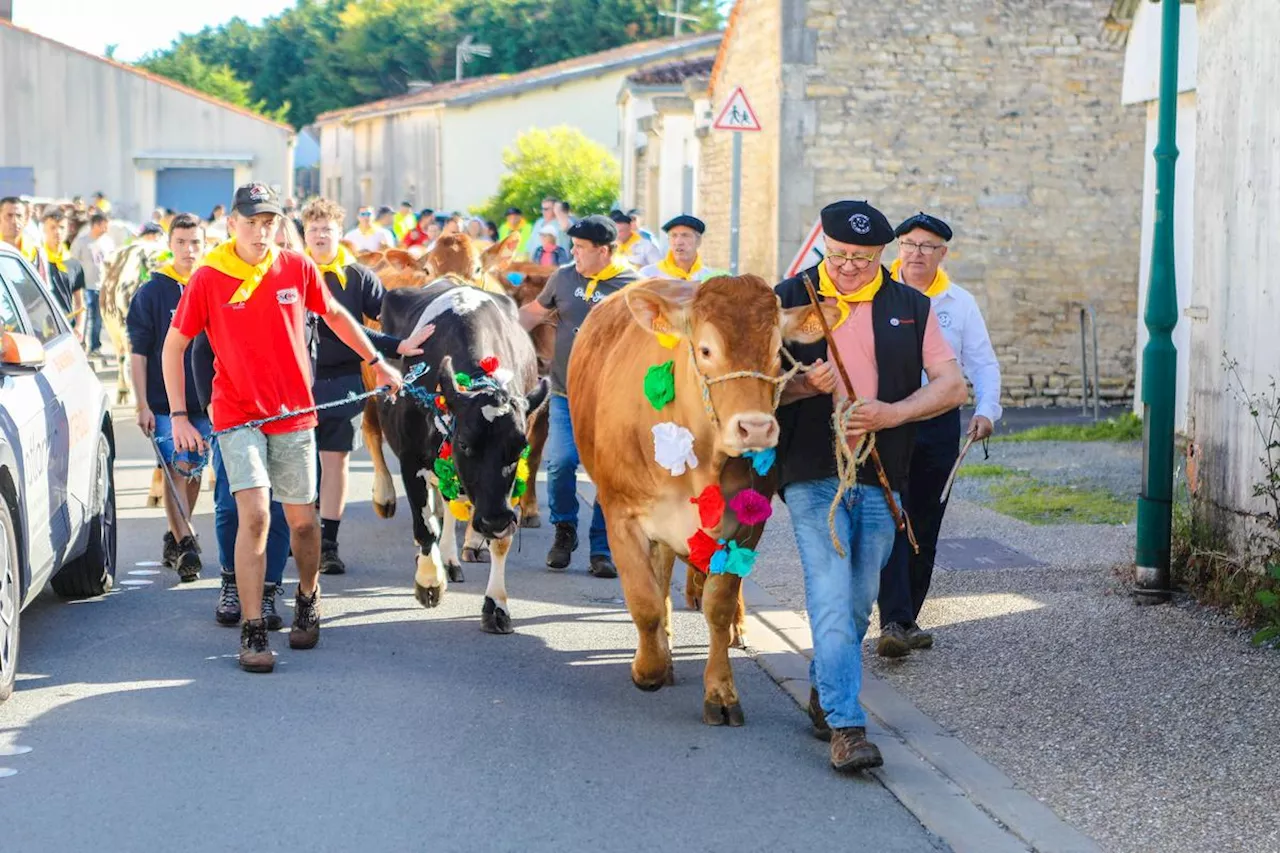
x=633, y=245
x=683, y=260
x=904, y=583
x=887, y=337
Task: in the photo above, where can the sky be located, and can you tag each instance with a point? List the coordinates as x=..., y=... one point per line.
x=136, y=26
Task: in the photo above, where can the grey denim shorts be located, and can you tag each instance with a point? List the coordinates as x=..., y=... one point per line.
x=285, y=463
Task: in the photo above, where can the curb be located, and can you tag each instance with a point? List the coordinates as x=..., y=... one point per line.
x=955, y=793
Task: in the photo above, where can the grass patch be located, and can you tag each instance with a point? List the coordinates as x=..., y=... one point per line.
x=1127, y=427
x=984, y=471
x=1029, y=500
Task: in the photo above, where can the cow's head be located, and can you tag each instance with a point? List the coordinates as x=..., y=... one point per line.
x=454, y=254
x=727, y=325
x=488, y=437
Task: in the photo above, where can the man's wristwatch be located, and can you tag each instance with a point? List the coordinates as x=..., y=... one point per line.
x=373, y=362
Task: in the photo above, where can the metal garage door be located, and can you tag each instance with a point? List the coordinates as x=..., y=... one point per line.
x=17, y=180
x=194, y=190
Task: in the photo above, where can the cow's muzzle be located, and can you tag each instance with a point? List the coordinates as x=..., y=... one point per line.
x=751, y=431
x=498, y=526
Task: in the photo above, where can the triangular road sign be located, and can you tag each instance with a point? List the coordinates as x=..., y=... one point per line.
x=737, y=114
x=812, y=250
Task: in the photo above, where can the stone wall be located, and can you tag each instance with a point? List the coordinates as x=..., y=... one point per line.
x=1002, y=118
x=750, y=58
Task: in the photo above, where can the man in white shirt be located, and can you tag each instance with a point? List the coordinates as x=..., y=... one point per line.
x=91, y=249
x=368, y=236
x=638, y=251
x=904, y=582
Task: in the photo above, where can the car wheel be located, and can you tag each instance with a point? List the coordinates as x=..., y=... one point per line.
x=93, y=572
x=10, y=603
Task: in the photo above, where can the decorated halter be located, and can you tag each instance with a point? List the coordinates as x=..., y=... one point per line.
x=445, y=469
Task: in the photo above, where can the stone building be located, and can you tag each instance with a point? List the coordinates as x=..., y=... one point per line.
x=1005, y=119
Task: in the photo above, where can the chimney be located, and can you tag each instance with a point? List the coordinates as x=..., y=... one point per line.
x=6, y=10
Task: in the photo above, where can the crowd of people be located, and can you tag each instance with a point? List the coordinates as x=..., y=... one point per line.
x=905, y=338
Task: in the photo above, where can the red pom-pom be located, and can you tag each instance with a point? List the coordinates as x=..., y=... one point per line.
x=710, y=506
x=446, y=451
x=701, y=547
x=489, y=364
x=441, y=403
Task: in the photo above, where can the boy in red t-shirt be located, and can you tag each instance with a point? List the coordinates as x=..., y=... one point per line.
x=252, y=299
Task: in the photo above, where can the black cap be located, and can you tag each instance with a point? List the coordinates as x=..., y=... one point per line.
x=384, y=210
x=619, y=216
x=932, y=224
x=150, y=228
x=252, y=199
x=407, y=204
x=856, y=222
x=514, y=211
x=688, y=222
x=596, y=229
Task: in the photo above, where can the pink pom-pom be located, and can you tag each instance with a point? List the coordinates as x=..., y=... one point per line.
x=751, y=507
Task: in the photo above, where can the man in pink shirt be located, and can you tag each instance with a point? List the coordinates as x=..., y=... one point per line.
x=887, y=337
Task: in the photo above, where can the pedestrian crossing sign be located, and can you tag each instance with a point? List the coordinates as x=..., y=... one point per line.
x=737, y=114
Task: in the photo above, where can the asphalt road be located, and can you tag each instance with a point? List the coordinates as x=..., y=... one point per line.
x=406, y=729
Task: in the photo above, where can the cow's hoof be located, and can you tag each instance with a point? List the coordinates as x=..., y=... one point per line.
x=153, y=500
x=738, y=636
x=493, y=619
x=386, y=510
x=428, y=596
x=455, y=572
x=715, y=714
x=531, y=522
x=652, y=685
x=671, y=675
x=475, y=555
x=693, y=602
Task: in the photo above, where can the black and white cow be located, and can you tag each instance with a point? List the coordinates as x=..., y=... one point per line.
x=487, y=425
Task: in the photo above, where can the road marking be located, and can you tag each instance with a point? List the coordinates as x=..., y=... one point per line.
x=15, y=749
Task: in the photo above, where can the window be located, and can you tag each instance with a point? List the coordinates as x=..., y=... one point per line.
x=40, y=311
x=9, y=316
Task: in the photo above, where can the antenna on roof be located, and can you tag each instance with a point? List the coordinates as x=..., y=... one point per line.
x=679, y=16
x=468, y=50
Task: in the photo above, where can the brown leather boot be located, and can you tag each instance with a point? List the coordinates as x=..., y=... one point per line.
x=851, y=751
x=305, y=632
x=821, y=730
x=255, y=650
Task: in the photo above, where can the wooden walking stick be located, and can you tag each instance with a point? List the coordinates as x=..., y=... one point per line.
x=899, y=517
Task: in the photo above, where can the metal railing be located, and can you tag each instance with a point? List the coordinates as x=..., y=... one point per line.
x=1087, y=308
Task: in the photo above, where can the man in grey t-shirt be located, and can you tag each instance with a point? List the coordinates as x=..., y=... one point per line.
x=91, y=248
x=572, y=292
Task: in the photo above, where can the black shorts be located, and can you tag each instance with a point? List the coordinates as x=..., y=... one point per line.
x=339, y=429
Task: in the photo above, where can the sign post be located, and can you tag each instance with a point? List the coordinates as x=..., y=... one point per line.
x=736, y=116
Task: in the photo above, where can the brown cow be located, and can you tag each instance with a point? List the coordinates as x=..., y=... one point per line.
x=726, y=326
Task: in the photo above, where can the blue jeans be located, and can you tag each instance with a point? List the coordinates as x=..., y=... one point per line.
x=562, y=476
x=164, y=440
x=226, y=521
x=93, y=313
x=839, y=591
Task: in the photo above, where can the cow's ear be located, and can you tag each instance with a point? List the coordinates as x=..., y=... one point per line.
x=400, y=259
x=448, y=382
x=800, y=325
x=538, y=395
x=661, y=305
x=499, y=255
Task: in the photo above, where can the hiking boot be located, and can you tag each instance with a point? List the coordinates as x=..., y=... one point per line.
x=821, y=730
x=893, y=642
x=562, y=548
x=170, y=553
x=330, y=562
x=851, y=751
x=918, y=638
x=188, y=563
x=602, y=567
x=305, y=632
x=228, y=610
x=274, y=620
x=255, y=650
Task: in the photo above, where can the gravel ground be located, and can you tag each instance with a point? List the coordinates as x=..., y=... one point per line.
x=1113, y=466
x=1147, y=728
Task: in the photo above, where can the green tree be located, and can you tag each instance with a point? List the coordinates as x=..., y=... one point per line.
x=560, y=162
x=185, y=67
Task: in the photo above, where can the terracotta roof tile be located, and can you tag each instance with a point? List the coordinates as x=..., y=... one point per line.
x=673, y=73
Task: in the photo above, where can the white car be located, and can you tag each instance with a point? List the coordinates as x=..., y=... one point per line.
x=57, y=452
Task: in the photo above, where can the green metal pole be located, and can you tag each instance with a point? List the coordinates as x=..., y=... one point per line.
x=1159, y=357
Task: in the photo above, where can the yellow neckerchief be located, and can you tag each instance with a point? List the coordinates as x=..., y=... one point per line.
x=616, y=267
x=625, y=247
x=225, y=260
x=338, y=266
x=172, y=272
x=28, y=251
x=669, y=266
x=365, y=231
x=844, y=301
x=941, y=281
x=57, y=256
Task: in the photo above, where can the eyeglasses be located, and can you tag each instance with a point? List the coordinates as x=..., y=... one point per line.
x=906, y=247
x=858, y=262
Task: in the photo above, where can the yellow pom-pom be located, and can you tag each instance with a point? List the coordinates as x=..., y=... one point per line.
x=667, y=340
x=522, y=470
x=461, y=509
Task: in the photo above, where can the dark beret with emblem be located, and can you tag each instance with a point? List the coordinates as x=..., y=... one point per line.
x=688, y=222
x=619, y=216
x=596, y=229
x=856, y=222
x=932, y=224
x=252, y=199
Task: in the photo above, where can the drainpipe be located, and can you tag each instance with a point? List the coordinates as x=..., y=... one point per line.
x=1159, y=357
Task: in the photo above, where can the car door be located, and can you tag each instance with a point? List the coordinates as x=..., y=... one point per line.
x=57, y=465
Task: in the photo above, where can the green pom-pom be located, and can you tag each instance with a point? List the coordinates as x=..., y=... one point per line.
x=450, y=490
x=519, y=488
x=463, y=380
x=445, y=469
x=524, y=454
x=660, y=384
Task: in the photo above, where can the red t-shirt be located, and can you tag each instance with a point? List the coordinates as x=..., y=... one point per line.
x=415, y=237
x=261, y=361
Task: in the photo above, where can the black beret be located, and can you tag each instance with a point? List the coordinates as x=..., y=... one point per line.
x=596, y=229
x=688, y=222
x=932, y=224
x=514, y=211
x=619, y=216
x=856, y=222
